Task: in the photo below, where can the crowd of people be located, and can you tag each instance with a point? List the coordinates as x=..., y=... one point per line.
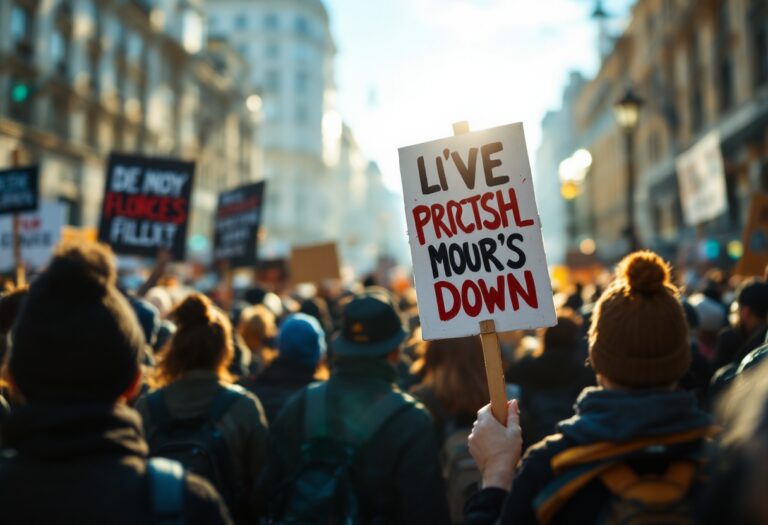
x=647, y=401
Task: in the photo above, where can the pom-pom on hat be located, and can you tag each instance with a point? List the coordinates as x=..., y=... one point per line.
x=76, y=339
x=639, y=334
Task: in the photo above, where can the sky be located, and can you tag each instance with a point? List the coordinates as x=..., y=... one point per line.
x=406, y=70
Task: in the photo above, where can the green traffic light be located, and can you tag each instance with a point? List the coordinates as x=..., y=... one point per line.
x=19, y=93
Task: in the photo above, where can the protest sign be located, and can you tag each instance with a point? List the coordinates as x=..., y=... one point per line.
x=238, y=218
x=18, y=189
x=146, y=205
x=755, y=257
x=314, y=264
x=39, y=233
x=701, y=176
x=272, y=272
x=475, y=234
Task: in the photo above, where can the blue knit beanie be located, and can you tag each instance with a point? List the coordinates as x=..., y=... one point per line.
x=301, y=339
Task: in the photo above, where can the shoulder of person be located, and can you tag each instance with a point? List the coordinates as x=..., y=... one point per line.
x=539, y=455
x=246, y=402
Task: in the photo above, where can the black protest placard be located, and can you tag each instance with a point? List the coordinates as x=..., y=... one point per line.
x=146, y=205
x=18, y=190
x=238, y=218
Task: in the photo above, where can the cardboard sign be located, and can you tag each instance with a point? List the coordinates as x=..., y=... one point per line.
x=18, y=190
x=272, y=272
x=755, y=257
x=475, y=234
x=238, y=218
x=146, y=205
x=701, y=175
x=314, y=264
x=39, y=232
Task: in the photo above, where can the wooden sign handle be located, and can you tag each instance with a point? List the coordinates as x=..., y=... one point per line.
x=18, y=262
x=494, y=372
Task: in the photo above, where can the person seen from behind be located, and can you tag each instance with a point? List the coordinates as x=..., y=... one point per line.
x=453, y=388
x=551, y=380
x=355, y=449
x=738, y=467
x=216, y=429
x=258, y=329
x=74, y=451
x=630, y=439
x=301, y=349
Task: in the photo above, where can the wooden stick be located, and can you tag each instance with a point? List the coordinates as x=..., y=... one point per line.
x=18, y=261
x=494, y=372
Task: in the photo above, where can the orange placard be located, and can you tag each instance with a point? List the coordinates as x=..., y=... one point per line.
x=755, y=240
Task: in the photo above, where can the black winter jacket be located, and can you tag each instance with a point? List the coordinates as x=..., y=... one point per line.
x=85, y=465
x=278, y=382
x=397, y=472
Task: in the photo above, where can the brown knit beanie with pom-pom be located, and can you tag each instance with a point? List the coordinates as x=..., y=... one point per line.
x=639, y=337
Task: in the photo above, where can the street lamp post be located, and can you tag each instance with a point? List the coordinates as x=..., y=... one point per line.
x=627, y=112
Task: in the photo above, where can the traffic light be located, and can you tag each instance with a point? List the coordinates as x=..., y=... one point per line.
x=20, y=92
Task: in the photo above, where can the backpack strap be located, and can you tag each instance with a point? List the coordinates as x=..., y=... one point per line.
x=166, y=489
x=224, y=399
x=158, y=409
x=384, y=409
x=607, y=449
x=315, y=422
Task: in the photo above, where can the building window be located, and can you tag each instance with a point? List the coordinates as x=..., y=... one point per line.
x=272, y=81
x=726, y=85
x=271, y=21
x=58, y=51
x=697, y=110
x=758, y=25
x=213, y=21
x=241, y=21
x=302, y=81
x=302, y=26
x=21, y=31
x=273, y=50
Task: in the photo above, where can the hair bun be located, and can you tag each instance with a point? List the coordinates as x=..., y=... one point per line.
x=193, y=311
x=645, y=272
x=79, y=269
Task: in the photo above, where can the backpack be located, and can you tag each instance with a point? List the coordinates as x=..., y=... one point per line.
x=459, y=470
x=322, y=491
x=196, y=442
x=635, y=499
x=166, y=490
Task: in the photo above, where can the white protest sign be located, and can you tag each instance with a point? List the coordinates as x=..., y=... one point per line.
x=40, y=232
x=475, y=234
x=701, y=175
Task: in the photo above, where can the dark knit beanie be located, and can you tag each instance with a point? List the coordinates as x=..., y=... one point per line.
x=76, y=338
x=639, y=334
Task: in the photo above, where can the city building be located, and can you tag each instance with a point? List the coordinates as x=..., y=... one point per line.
x=558, y=141
x=290, y=49
x=83, y=78
x=699, y=66
x=320, y=184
